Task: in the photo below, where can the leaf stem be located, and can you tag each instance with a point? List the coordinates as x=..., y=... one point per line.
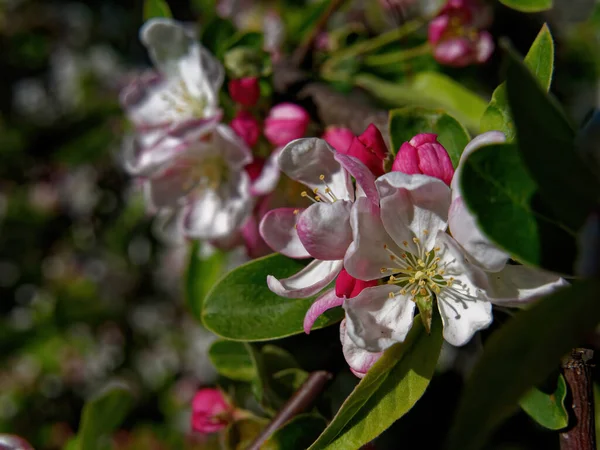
x=397, y=57
x=577, y=370
x=300, y=401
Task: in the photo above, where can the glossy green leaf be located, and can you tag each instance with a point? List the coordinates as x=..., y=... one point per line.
x=528, y=6
x=216, y=35
x=156, y=8
x=504, y=199
x=429, y=90
x=102, y=415
x=407, y=122
x=200, y=277
x=547, y=409
x=524, y=352
x=232, y=360
x=297, y=434
x=389, y=390
x=540, y=61
x=241, y=306
x=546, y=145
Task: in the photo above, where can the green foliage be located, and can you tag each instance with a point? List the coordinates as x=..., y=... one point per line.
x=407, y=122
x=528, y=6
x=156, y=8
x=102, y=415
x=201, y=275
x=547, y=409
x=429, y=90
x=232, y=360
x=241, y=306
x=530, y=345
x=504, y=199
x=540, y=60
x=216, y=35
x=388, y=391
x=546, y=145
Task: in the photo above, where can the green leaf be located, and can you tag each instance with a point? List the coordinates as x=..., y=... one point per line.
x=528, y=6
x=232, y=360
x=156, y=8
x=407, y=122
x=216, y=35
x=540, y=61
x=504, y=199
x=547, y=409
x=102, y=415
x=297, y=434
x=389, y=390
x=530, y=346
x=200, y=277
x=429, y=90
x=546, y=144
x=241, y=306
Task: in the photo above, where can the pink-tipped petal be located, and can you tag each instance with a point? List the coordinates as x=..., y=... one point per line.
x=363, y=176
x=278, y=229
x=325, y=302
x=309, y=281
x=339, y=138
x=358, y=359
x=407, y=160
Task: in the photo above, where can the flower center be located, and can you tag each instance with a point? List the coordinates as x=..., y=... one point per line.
x=327, y=196
x=418, y=273
x=182, y=102
x=210, y=173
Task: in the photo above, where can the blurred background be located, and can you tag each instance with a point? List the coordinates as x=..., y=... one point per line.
x=88, y=293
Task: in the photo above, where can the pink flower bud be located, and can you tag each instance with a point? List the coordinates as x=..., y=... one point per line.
x=246, y=127
x=424, y=154
x=349, y=287
x=456, y=35
x=285, y=123
x=370, y=149
x=210, y=411
x=245, y=91
x=339, y=138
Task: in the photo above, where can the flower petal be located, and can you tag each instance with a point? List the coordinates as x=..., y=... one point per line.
x=488, y=138
x=305, y=160
x=310, y=280
x=325, y=302
x=461, y=323
x=359, y=360
x=268, y=178
x=215, y=214
x=479, y=248
x=324, y=229
x=375, y=321
x=413, y=206
x=278, y=229
x=518, y=285
x=364, y=177
x=232, y=148
x=366, y=255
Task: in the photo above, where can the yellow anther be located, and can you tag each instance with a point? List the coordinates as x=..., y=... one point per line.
x=392, y=257
x=316, y=190
x=405, y=243
x=383, y=270
x=318, y=198
x=416, y=240
x=420, y=274
x=437, y=249
x=413, y=292
x=421, y=263
x=391, y=295
x=425, y=232
x=321, y=177
x=403, y=291
x=296, y=211
x=423, y=291
x=403, y=255
x=304, y=194
x=385, y=246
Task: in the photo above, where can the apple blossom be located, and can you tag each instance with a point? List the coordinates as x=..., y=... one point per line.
x=285, y=123
x=247, y=127
x=339, y=138
x=211, y=412
x=370, y=149
x=456, y=34
x=206, y=179
x=404, y=243
x=424, y=154
x=245, y=91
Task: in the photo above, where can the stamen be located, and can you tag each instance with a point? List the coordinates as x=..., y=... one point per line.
x=305, y=194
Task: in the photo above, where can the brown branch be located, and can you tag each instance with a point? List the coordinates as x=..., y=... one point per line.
x=577, y=370
x=300, y=401
x=301, y=53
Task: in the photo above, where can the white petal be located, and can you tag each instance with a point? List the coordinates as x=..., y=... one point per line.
x=268, y=178
x=478, y=247
x=488, y=138
x=278, y=229
x=518, y=285
x=359, y=360
x=365, y=180
x=232, y=148
x=324, y=229
x=413, y=206
x=305, y=160
x=374, y=321
x=215, y=214
x=366, y=255
x=309, y=281
x=463, y=305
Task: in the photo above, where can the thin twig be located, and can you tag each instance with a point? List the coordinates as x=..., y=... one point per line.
x=305, y=48
x=577, y=370
x=300, y=401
